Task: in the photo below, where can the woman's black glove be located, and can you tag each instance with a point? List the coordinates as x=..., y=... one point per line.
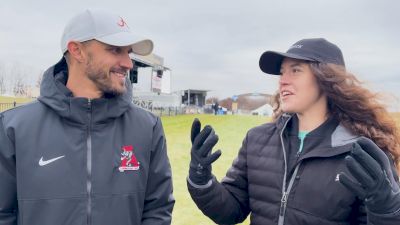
x=201, y=157
x=375, y=183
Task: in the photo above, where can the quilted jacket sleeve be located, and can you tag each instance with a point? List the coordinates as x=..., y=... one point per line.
x=226, y=202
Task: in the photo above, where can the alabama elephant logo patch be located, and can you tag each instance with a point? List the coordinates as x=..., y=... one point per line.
x=128, y=159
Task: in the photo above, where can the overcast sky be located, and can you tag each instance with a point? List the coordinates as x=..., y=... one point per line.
x=216, y=45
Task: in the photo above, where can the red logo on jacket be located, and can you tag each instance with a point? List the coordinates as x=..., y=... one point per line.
x=128, y=159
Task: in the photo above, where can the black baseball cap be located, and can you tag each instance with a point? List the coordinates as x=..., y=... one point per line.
x=313, y=49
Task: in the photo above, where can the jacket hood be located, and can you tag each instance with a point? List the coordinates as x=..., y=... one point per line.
x=55, y=94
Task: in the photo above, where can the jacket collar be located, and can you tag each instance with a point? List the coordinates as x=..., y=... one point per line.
x=58, y=97
x=329, y=139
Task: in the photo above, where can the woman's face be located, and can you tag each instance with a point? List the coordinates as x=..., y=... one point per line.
x=298, y=88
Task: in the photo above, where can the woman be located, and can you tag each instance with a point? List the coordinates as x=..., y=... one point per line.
x=321, y=161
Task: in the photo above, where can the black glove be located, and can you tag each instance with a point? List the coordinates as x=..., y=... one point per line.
x=375, y=183
x=201, y=157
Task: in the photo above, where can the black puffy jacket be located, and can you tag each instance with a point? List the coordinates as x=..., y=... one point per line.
x=279, y=186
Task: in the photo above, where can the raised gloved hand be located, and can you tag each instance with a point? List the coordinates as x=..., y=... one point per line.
x=201, y=157
x=374, y=183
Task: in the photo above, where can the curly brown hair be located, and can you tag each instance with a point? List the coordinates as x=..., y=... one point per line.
x=358, y=109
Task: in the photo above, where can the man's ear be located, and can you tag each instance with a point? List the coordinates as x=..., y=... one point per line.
x=76, y=51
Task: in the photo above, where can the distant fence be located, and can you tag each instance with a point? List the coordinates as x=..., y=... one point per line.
x=5, y=106
x=159, y=110
x=168, y=111
x=148, y=105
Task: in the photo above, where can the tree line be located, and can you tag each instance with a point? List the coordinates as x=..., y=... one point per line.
x=19, y=80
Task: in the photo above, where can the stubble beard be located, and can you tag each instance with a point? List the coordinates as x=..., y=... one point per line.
x=102, y=79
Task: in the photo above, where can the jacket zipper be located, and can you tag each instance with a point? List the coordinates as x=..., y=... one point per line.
x=285, y=191
x=89, y=164
x=285, y=196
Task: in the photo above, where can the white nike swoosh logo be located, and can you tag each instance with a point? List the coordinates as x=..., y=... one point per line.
x=45, y=162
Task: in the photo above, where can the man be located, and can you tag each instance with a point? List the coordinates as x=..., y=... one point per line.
x=216, y=107
x=83, y=153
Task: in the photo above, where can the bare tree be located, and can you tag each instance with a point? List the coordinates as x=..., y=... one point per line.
x=212, y=100
x=19, y=79
x=39, y=79
x=19, y=87
x=2, y=79
x=2, y=85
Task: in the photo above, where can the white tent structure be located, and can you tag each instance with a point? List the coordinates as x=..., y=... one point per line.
x=265, y=110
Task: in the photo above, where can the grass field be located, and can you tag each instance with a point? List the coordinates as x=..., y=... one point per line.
x=231, y=131
x=7, y=102
x=4, y=99
x=396, y=117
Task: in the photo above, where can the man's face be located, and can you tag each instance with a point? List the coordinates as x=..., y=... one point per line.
x=107, y=66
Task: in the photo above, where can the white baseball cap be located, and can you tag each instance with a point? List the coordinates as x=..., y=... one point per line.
x=105, y=27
